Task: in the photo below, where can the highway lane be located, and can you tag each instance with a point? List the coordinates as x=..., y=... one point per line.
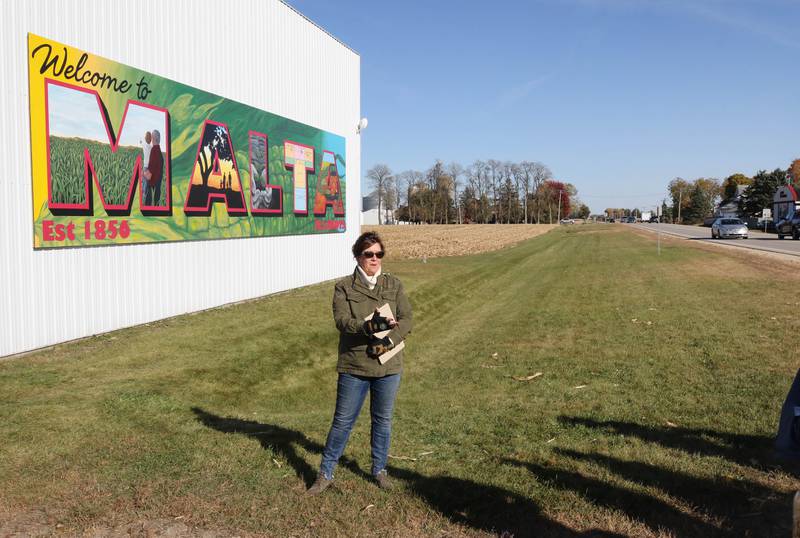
x=756, y=240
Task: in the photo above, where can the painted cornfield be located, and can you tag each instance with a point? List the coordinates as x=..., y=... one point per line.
x=114, y=170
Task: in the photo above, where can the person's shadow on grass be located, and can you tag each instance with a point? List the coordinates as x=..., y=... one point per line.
x=488, y=508
x=281, y=440
x=748, y=450
x=738, y=507
x=747, y=507
x=638, y=506
x=479, y=506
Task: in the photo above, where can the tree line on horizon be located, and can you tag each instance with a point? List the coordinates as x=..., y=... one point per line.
x=485, y=192
x=692, y=201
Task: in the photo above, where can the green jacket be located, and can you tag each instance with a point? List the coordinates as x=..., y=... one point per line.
x=352, y=302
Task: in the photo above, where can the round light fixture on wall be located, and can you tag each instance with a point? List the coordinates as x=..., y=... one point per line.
x=362, y=124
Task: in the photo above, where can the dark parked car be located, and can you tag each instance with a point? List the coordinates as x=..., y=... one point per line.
x=788, y=227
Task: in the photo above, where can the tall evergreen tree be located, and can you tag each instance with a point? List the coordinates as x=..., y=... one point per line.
x=758, y=194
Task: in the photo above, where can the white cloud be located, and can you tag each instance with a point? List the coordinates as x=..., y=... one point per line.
x=720, y=14
x=514, y=94
x=743, y=15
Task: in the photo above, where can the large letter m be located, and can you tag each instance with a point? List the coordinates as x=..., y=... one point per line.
x=81, y=146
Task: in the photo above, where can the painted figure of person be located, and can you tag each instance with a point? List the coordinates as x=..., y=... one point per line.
x=154, y=173
x=147, y=146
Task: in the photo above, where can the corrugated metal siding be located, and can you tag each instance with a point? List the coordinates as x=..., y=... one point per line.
x=58, y=295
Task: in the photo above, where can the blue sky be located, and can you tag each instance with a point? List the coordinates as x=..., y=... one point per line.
x=616, y=96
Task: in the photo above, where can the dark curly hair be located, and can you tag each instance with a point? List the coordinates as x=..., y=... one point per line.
x=366, y=240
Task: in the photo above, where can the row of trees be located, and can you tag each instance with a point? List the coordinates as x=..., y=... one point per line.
x=620, y=212
x=486, y=191
x=692, y=201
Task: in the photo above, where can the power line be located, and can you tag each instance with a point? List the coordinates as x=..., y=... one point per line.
x=580, y=195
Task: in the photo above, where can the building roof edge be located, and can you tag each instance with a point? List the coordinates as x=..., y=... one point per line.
x=345, y=45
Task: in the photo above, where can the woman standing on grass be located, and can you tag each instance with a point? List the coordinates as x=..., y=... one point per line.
x=355, y=297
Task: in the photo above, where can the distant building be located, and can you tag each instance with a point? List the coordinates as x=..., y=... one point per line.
x=369, y=202
x=785, y=203
x=729, y=208
x=369, y=211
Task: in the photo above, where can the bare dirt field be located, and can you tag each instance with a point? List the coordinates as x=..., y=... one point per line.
x=433, y=241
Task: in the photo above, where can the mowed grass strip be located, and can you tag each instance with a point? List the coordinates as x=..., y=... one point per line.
x=662, y=381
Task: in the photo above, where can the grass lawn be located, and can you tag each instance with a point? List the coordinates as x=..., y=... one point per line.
x=663, y=378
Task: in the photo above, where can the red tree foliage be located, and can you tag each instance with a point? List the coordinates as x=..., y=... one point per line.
x=556, y=189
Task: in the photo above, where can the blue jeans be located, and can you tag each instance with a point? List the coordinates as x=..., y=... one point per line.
x=350, y=393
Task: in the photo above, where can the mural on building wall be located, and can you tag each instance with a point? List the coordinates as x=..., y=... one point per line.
x=122, y=156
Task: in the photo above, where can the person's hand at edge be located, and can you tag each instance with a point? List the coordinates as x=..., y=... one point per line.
x=379, y=346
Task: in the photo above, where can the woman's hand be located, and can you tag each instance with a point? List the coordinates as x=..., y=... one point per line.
x=378, y=323
x=379, y=346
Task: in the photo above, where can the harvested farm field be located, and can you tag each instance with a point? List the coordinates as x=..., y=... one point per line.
x=438, y=240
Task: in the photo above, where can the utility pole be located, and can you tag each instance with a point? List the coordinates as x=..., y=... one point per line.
x=455, y=198
x=680, y=196
x=658, y=225
x=559, y=205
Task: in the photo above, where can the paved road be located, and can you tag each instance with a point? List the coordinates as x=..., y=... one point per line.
x=757, y=240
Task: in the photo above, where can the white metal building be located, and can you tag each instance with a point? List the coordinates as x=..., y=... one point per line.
x=369, y=211
x=729, y=207
x=52, y=296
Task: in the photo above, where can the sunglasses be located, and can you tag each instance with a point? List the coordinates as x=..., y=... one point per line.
x=369, y=254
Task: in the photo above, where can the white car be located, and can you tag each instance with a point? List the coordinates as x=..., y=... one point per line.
x=728, y=228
